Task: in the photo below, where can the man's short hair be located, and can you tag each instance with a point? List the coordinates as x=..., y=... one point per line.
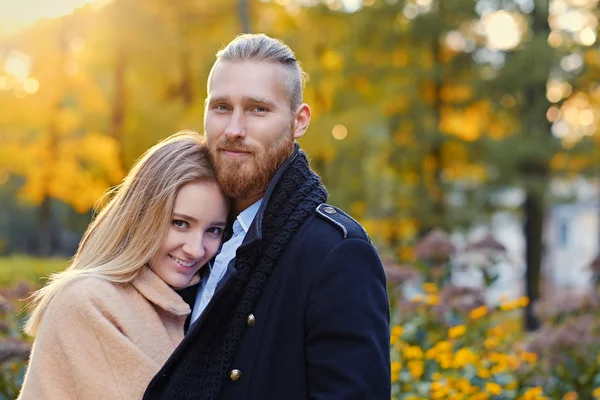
x=260, y=47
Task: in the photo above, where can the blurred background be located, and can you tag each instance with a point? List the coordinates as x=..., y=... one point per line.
x=463, y=134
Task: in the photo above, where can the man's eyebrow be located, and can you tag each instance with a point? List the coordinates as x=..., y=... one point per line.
x=245, y=99
x=219, y=99
x=259, y=100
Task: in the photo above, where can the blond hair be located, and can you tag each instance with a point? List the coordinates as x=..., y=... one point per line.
x=130, y=229
x=260, y=47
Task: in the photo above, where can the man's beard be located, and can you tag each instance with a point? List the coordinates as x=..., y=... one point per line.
x=244, y=177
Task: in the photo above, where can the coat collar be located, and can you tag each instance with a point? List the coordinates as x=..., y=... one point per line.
x=255, y=232
x=158, y=292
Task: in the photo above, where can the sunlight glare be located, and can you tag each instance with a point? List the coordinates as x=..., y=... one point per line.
x=31, y=86
x=501, y=30
x=587, y=37
x=339, y=132
x=17, y=64
x=17, y=14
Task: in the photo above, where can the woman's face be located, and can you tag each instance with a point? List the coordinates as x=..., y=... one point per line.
x=195, y=234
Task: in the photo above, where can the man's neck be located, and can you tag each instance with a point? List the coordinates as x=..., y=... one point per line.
x=241, y=204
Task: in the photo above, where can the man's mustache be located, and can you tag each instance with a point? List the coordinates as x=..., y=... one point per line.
x=234, y=145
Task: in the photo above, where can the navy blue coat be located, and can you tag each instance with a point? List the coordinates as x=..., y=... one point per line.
x=321, y=327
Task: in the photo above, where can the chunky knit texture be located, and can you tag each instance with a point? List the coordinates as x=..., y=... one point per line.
x=204, y=363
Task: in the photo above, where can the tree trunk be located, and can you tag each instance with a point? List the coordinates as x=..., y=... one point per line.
x=537, y=174
x=534, y=221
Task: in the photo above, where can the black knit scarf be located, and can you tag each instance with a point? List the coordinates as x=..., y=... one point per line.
x=203, y=366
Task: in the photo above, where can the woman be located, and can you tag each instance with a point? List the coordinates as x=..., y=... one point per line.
x=106, y=325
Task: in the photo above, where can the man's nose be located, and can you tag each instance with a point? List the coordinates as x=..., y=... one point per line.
x=235, y=129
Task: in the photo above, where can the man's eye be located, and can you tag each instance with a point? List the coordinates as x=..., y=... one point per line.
x=221, y=107
x=180, y=224
x=260, y=109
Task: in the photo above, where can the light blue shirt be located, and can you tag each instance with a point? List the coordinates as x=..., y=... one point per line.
x=206, y=290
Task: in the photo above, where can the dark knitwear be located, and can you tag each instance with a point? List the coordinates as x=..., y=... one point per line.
x=204, y=363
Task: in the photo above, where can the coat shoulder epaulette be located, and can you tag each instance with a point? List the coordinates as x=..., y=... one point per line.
x=345, y=223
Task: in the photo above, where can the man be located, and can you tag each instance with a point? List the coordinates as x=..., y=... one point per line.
x=295, y=306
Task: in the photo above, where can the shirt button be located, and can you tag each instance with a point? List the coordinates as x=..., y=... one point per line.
x=235, y=374
x=251, y=320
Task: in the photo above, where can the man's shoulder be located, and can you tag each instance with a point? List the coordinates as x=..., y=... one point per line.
x=344, y=224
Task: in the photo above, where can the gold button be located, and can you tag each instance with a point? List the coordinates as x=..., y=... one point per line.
x=251, y=320
x=235, y=374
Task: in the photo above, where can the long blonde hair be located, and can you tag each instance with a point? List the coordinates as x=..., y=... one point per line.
x=130, y=229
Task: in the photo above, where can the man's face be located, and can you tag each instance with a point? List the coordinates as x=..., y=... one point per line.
x=249, y=125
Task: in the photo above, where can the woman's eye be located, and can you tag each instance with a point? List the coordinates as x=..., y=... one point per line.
x=180, y=224
x=215, y=230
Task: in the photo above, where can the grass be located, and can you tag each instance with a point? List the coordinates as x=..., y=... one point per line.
x=30, y=269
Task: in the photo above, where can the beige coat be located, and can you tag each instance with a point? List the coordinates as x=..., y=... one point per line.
x=99, y=340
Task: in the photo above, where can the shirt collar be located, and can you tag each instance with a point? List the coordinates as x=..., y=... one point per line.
x=247, y=216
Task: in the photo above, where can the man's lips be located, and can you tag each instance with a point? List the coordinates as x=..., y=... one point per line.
x=234, y=153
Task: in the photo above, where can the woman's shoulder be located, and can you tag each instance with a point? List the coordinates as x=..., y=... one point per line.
x=86, y=292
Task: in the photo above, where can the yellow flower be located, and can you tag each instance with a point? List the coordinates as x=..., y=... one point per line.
x=445, y=360
x=498, y=369
x=413, y=352
x=508, y=305
x=396, y=367
x=430, y=287
x=491, y=343
x=432, y=299
x=464, y=357
x=495, y=331
x=463, y=385
x=457, y=331
x=596, y=392
x=397, y=330
x=436, y=376
x=513, y=361
x=439, y=390
x=444, y=346
x=493, y=388
x=478, y=312
x=533, y=392
x=483, y=373
x=416, y=368
x=523, y=301
x=529, y=357
x=570, y=396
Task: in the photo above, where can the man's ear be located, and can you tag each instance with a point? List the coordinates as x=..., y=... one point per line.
x=301, y=120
